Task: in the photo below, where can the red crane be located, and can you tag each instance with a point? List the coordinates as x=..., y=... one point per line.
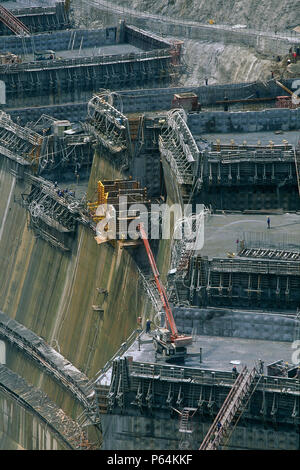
x=178, y=340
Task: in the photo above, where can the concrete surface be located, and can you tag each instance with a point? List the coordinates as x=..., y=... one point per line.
x=221, y=231
x=91, y=51
x=217, y=352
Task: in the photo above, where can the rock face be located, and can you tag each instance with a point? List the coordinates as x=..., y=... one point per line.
x=221, y=64
x=266, y=15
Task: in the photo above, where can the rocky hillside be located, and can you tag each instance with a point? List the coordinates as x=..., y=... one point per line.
x=222, y=64
x=266, y=15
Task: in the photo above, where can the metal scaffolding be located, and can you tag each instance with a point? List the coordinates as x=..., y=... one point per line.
x=178, y=146
x=233, y=164
x=109, y=126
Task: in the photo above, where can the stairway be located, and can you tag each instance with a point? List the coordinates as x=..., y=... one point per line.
x=232, y=408
x=185, y=420
x=13, y=23
x=297, y=164
x=102, y=392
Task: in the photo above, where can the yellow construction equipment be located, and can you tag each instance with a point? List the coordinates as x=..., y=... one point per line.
x=102, y=195
x=67, y=5
x=34, y=154
x=101, y=201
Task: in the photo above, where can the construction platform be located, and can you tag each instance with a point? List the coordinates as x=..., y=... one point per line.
x=70, y=64
x=222, y=230
x=91, y=51
x=148, y=404
x=252, y=138
x=217, y=352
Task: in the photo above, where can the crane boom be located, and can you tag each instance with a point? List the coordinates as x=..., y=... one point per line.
x=284, y=87
x=159, y=285
x=177, y=341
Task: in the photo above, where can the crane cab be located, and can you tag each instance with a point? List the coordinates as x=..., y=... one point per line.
x=163, y=334
x=164, y=345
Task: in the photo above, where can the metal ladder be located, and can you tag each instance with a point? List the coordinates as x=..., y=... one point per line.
x=13, y=23
x=185, y=420
x=230, y=410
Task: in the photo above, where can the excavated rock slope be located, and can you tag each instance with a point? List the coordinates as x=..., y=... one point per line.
x=222, y=64
x=265, y=15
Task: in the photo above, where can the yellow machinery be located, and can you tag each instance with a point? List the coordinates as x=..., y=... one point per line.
x=101, y=201
x=34, y=154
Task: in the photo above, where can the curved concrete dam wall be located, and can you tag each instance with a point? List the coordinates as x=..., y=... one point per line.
x=20, y=429
x=29, y=420
x=52, y=292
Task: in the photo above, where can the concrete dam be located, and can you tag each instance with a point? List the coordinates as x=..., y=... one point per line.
x=116, y=333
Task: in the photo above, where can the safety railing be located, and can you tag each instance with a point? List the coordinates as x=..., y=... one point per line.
x=252, y=156
x=124, y=347
x=209, y=377
x=33, y=11
x=259, y=267
x=81, y=61
x=185, y=22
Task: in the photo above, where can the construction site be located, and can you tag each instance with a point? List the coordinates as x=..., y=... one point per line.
x=149, y=229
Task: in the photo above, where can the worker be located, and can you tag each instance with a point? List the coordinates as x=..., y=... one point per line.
x=226, y=104
x=206, y=81
x=55, y=184
x=261, y=366
x=234, y=372
x=295, y=56
x=269, y=222
x=148, y=326
x=272, y=74
x=286, y=369
x=219, y=425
